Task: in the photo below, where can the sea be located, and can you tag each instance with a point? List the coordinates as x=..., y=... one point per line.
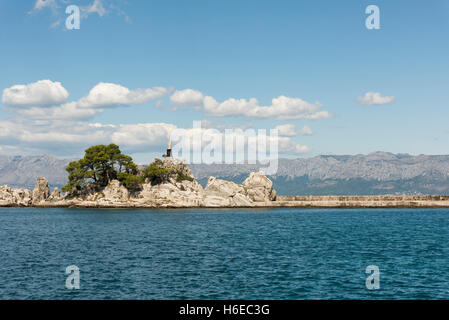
x=224, y=253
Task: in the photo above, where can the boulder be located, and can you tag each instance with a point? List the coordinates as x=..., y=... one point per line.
x=222, y=193
x=222, y=188
x=172, y=194
x=259, y=188
x=14, y=197
x=23, y=197
x=55, y=195
x=115, y=192
x=6, y=197
x=41, y=192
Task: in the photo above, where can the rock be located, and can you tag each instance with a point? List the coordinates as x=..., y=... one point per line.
x=222, y=188
x=224, y=193
x=14, y=197
x=178, y=167
x=177, y=189
x=216, y=201
x=180, y=194
x=6, y=197
x=114, y=191
x=41, y=192
x=240, y=200
x=23, y=197
x=259, y=188
x=55, y=195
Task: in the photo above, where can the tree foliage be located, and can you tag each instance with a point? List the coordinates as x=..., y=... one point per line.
x=100, y=165
x=157, y=174
x=103, y=163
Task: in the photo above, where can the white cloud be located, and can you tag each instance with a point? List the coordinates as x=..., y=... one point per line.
x=40, y=4
x=105, y=95
x=281, y=107
x=67, y=111
x=375, y=98
x=100, y=7
x=96, y=7
x=140, y=136
x=36, y=98
x=70, y=138
x=301, y=149
x=62, y=129
x=43, y=93
x=187, y=98
x=305, y=131
x=287, y=130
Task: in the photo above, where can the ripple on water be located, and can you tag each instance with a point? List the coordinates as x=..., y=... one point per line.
x=224, y=254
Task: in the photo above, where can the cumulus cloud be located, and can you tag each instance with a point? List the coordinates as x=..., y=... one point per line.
x=374, y=98
x=187, y=98
x=110, y=95
x=48, y=123
x=286, y=130
x=289, y=130
x=142, y=135
x=305, y=131
x=68, y=138
x=34, y=100
x=43, y=93
x=281, y=108
x=67, y=111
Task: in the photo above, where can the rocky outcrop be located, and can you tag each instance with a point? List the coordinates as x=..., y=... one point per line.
x=178, y=189
x=259, y=188
x=42, y=191
x=173, y=194
x=114, y=192
x=177, y=167
x=256, y=191
x=55, y=196
x=222, y=193
x=15, y=197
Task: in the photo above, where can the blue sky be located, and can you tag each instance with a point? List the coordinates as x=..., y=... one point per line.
x=317, y=51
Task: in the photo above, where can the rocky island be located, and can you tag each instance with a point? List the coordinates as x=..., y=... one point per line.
x=257, y=190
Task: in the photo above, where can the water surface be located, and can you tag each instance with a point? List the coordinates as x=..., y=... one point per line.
x=224, y=254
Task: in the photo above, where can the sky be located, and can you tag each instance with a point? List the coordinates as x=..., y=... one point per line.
x=136, y=70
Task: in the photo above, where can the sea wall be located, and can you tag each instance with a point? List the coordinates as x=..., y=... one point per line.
x=385, y=201
x=365, y=198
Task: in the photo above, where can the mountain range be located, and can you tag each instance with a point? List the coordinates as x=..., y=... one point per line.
x=373, y=174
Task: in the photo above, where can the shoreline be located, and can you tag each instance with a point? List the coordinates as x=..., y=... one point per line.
x=301, y=202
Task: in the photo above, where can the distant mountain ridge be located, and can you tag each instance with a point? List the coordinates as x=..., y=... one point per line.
x=373, y=174
x=22, y=171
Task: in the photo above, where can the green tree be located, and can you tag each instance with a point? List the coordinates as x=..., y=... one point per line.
x=100, y=165
x=157, y=174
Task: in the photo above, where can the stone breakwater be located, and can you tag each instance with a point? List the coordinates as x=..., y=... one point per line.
x=256, y=191
x=383, y=201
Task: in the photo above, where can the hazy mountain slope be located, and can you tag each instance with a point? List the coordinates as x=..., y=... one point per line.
x=375, y=173
x=18, y=171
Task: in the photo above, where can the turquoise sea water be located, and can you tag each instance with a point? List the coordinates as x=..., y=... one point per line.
x=224, y=254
